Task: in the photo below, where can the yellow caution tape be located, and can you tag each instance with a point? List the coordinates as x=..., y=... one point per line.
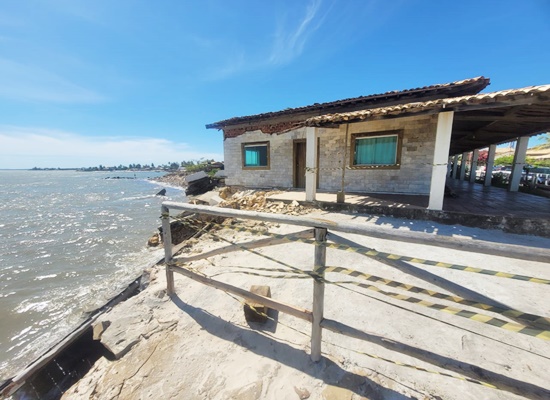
x=373, y=253
x=415, y=367
x=510, y=326
x=499, y=323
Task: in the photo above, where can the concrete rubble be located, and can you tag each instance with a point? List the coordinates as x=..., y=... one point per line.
x=256, y=200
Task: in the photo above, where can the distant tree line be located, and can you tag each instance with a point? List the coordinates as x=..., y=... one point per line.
x=188, y=166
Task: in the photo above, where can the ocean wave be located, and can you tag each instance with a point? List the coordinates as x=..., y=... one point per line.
x=91, y=235
x=39, y=278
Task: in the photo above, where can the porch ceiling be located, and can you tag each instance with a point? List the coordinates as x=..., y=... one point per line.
x=480, y=128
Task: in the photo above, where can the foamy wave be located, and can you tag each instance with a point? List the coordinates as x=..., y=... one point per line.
x=39, y=278
x=39, y=306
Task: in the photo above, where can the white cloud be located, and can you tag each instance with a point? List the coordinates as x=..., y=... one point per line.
x=23, y=148
x=23, y=82
x=290, y=41
x=287, y=43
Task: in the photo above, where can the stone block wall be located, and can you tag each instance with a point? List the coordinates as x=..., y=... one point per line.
x=279, y=174
x=412, y=177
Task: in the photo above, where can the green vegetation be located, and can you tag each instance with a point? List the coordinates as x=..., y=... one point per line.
x=209, y=166
x=505, y=160
x=509, y=160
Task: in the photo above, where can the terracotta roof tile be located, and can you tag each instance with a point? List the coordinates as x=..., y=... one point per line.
x=472, y=85
x=449, y=103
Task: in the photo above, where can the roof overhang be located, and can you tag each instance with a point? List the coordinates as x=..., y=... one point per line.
x=299, y=114
x=480, y=120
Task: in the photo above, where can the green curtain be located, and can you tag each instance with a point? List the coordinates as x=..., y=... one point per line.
x=255, y=156
x=376, y=151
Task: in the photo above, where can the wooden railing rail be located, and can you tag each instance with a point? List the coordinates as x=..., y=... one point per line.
x=321, y=227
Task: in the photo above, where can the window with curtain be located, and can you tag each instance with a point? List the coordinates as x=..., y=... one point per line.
x=373, y=151
x=256, y=155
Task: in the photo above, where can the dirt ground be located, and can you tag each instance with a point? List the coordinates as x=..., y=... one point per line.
x=198, y=345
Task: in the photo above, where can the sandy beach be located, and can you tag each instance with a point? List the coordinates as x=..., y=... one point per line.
x=197, y=344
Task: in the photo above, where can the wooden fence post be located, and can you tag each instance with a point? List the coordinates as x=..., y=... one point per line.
x=167, y=240
x=318, y=292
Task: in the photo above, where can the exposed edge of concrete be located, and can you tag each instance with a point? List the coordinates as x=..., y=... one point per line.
x=11, y=385
x=509, y=224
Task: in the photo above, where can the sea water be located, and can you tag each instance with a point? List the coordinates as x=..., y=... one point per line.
x=69, y=241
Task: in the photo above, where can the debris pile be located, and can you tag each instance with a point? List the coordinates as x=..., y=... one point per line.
x=176, y=179
x=257, y=201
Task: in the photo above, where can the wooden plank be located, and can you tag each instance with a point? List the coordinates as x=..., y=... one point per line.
x=318, y=293
x=503, y=382
x=308, y=234
x=470, y=245
x=167, y=240
x=271, y=303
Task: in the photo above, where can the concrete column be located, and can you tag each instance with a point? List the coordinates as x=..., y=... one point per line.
x=519, y=163
x=311, y=163
x=455, y=166
x=473, y=166
x=441, y=156
x=490, y=164
x=463, y=166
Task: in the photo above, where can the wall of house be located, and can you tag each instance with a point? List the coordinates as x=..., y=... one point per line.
x=413, y=176
x=280, y=173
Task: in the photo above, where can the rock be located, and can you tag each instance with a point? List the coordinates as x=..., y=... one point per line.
x=154, y=240
x=215, y=200
x=256, y=312
x=209, y=198
x=225, y=192
x=99, y=328
x=161, y=193
x=302, y=393
x=257, y=201
x=125, y=328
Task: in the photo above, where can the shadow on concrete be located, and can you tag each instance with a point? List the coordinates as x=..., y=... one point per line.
x=425, y=275
x=262, y=345
x=269, y=326
x=332, y=374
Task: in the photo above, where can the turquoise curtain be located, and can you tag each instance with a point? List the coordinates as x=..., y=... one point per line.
x=376, y=151
x=255, y=156
x=252, y=157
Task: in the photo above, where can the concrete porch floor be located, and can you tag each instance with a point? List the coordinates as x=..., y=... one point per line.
x=475, y=205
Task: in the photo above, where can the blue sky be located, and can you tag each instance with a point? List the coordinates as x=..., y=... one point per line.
x=84, y=83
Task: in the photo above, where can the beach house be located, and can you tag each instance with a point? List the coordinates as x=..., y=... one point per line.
x=398, y=142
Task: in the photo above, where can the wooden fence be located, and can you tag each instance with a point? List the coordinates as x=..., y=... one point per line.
x=321, y=227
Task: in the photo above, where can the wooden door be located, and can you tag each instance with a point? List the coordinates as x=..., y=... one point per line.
x=300, y=164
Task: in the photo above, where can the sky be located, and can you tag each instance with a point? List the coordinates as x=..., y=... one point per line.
x=84, y=83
